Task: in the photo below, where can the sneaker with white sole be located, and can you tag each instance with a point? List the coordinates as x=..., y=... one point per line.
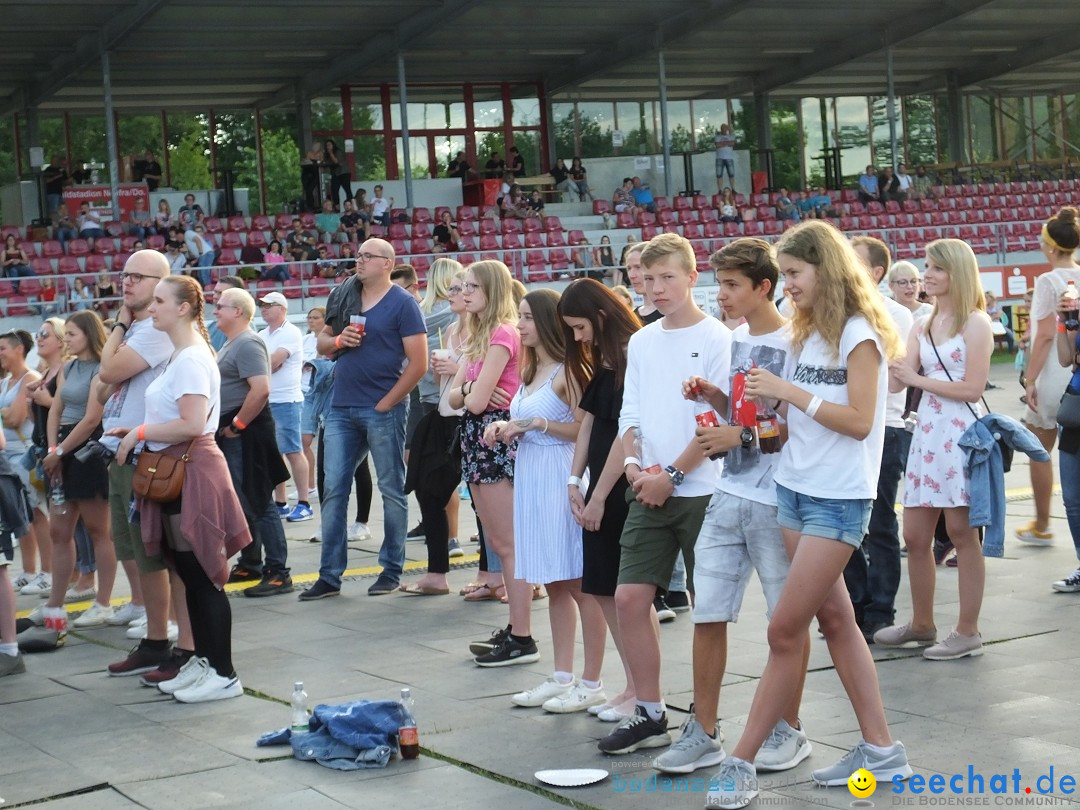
x=126, y=614
x=539, y=695
x=885, y=767
x=358, y=532
x=636, y=731
x=1030, y=534
x=694, y=749
x=901, y=635
x=40, y=584
x=1070, y=584
x=22, y=580
x=734, y=785
x=210, y=687
x=188, y=675
x=94, y=616
x=955, y=646
x=784, y=748
x=300, y=513
x=73, y=595
x=37, y=615
x=578, y=699
x=454, y=549
x=139, y=630
x=613, y=714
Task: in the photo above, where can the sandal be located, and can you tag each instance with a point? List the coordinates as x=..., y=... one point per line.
x=486, y=593
x=538, y=594
x=472, y=586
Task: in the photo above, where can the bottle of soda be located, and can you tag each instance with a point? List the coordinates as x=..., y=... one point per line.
x=408, y=736
x=57, y=499
x=768, y=430
x=704, y=414
x=641, y=449
x=1072, y=313
x=299, y=708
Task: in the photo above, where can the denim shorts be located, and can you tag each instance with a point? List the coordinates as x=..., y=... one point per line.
x=843, y=519
x=738, y=536
x=287, y=425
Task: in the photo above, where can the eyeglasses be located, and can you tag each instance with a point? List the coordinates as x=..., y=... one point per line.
x=455, y=290
x=468, y=286
x=906, y=282
x=226, y=306
x=43, y=335
x=367, y=257
x=135, y=278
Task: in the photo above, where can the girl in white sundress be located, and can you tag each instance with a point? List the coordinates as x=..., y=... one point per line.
x=547, y=539
x=958, y=332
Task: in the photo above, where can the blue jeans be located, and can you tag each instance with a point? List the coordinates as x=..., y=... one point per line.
x=349, y=434
x=266, y=529
x=872, y=574
x=678, y=575
x=202, y=268
x=1069, y=473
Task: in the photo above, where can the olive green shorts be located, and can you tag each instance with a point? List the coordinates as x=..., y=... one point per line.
x=652, y=539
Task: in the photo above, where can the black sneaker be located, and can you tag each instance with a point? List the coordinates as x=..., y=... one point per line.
x=382, y=586
x=241, y=573
x=168, y=670
x=509, y=652
x=679, y=601
x=418, y=533
x=869, y=628
x=481, y=647
x=142, y=659
x=636, y=731
x=271, y=584
x=320, y=590
x=942, y=549
x=663, y=612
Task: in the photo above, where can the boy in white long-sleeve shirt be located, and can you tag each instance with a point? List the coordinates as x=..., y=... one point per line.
x=672, y=483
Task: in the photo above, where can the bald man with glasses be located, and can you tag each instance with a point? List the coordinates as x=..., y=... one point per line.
x=379, y=361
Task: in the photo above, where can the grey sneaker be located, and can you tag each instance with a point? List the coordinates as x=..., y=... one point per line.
x=955, y=646
x=734, y=785
x=784, y=748
x=694, y=749
x=884, y=767
x=901, y=635
x=11, y=664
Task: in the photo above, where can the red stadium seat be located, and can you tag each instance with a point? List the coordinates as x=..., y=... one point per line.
x=213, y=225
x=421, y=215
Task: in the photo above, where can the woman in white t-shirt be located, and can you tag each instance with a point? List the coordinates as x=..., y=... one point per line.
x=1045, y=379
x=826, y=482
x=205, y=526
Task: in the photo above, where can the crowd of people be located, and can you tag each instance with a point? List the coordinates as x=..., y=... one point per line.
x=626, y=460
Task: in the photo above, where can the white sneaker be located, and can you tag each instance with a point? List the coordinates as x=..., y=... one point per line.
x=577, y=699
x=613, y=714
x=358, y=532
x=188, y=675
x=22, y=580
x=210, y=686
x=37, y=615
x=126, y=614
x=784, y=748
x=73, y=595
x=40, y=584
x=139, y=630
x=94, y=616
x=542, y=693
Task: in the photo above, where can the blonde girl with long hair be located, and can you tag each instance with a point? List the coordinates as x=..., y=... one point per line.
x=948, y=357
x=835, y=406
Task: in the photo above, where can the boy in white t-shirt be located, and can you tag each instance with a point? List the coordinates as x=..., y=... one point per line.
x=740, y=533
x=671, y=482
x=379, y=208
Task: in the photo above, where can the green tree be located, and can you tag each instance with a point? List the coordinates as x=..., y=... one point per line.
x=282, y=170
x=786, y=141
x=189, y=162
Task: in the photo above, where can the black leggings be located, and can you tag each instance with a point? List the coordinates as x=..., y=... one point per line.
x=362, y=478
x=211, y=616
x=339, y=181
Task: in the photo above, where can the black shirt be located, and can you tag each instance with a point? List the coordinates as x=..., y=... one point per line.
x=495, y=168
x=517, y=166
x=443, y=233
x=149, y=167
x=559, y=175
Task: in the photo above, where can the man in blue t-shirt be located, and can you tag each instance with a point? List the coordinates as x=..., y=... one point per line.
x=380, y=359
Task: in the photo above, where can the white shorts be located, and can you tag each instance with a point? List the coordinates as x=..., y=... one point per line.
x=737, y=537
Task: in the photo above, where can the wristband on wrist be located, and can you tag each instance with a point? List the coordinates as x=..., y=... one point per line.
x=574, y=481
x=141, y=433
x=631, y=460
x=121, y=324
x=238, y=425
x=812, y=408
x=337, y=342
x=52, y=449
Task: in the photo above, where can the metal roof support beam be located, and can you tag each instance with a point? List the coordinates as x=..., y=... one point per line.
x=664, y=134
x=406, y=149
x=110, y=134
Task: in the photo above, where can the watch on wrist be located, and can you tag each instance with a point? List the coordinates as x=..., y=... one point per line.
x=675, y=474
x=59, y=451
x=746, y=436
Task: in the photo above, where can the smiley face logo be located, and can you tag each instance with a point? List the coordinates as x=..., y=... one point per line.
x=862, y=783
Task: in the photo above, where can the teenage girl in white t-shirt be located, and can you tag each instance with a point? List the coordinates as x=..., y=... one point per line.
x=826, y=482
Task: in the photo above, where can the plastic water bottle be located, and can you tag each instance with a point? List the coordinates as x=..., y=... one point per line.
x=1072, y=313
x=408, y=736
x=463, y=492
x=641, y=448
x=299, y=708
x=57, y=499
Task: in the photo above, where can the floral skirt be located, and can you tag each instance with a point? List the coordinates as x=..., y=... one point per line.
x=481, y=464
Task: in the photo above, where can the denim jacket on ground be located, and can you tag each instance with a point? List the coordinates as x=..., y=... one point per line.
x=346, y=737
x=986, y=475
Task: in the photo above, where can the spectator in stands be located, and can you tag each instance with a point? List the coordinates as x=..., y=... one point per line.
x=582, y=257
x=105, y=293
x=309, y=177
x=578, y=175
x=495, y=167
x=724, y=143
x=514, y=205
x=999, y=323
x=81, y=297
x=326, y=266
x=300, y=244
x=138, y=223
x=729, y=209
x=163, y=218
x=347, y=263
x=786, y=207
x=89, y=223
x=16, y=262
x=352, y=224
x=190, y=214
x=868, y=186
x=177, y=260
x=47, y=298
x=956, y=175
x=561, y=175
x=328, y=222
x=446, y=235
x=275, y=268
x=80, y=175
x=904, y=180
x=623, y=200
x=379, y=208
x=820, y=204
x=536, y=203
x=604, y=256
x=459, y=167
x=889, y=185
x=642, y=195
x=203, y=252
x=517, y=162
x=921, y=185
x=340, y=173
x=148, y=170
x=56, y=177
x=63, y=228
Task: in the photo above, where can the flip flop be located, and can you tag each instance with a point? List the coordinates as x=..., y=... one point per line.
x=538, y=594
x=472, y=586
x=485, y=593
x=415, y=589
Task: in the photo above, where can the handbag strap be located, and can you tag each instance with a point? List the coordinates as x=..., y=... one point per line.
x=930, y=337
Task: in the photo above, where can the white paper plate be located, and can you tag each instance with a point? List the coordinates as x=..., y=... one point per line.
x=572, y=777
